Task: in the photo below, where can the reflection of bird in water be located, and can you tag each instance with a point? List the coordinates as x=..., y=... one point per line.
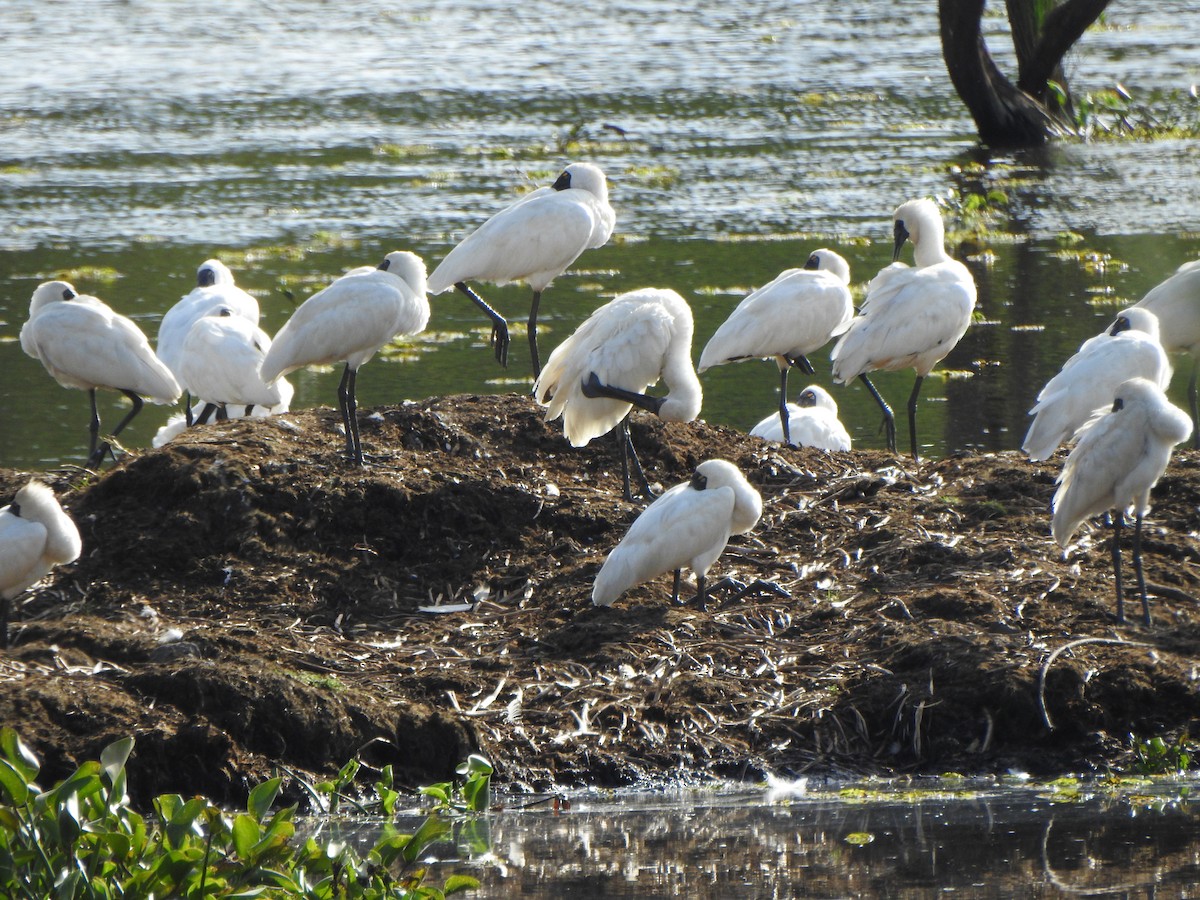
x=534, y=240
x=35, y=536
x=689, y=526
x=594, y=378
x=792, y=316
x=1118, y=460
x=1087, y=382
x=85, y=345
x=812, y=421
x=348, y=322
x=910, y=318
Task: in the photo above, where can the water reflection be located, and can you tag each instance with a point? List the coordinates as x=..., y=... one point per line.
x=890, y=842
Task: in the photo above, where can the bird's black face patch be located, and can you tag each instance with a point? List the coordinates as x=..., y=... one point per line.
x=899, y=235
x=206, y=277
x=15, y=509
x=1121, y=324
x=69, y=294
x=225, y=311
x=813, y=263
x=563, y=182
x=1118, y=404
x=385, y=265
x=807, y=399
x=699, y=482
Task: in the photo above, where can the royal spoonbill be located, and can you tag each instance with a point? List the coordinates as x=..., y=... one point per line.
x=594, y=378
x=1176, y=302
x=221, y=363
x=84, y=344
x=813, y=422
x=348, y=322
x=1129, y=348
x=793, y=316
x=35, y=536
x=1118, y=460
x=215, y=289
x=910, y=318
x=689, y=526
x=534, y=240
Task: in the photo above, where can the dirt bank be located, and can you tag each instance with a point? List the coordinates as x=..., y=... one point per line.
x=247, y=599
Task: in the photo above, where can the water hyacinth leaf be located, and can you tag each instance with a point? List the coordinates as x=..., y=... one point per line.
x=432, y=829
x=12, y=782
x=245, y=836
x=457, y=883
x=18, y=755
x=261, y=798
x=114, y=756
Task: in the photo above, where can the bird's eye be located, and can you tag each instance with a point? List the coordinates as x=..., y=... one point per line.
x=1118, y=404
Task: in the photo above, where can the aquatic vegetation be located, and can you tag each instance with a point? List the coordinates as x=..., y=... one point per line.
x=81, y=839
x=1115, y=114
x=1155, y=756
x=104, y=274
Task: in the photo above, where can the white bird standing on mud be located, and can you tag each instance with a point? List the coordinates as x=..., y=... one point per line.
x=85, y=345
x=595, y=377
x=534, y=240
x=35, y=536
x=348, y=322
x=794, y=315
x=221, y=363
x=689, y=526
x=1176, y=302
x=1087, y=382
x=1116, y=463
x=910, y=318
x=813, y=422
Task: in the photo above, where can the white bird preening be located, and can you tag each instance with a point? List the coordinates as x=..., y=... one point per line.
x=215, y=289
x=910, y=318
x=221, y=363
x=689, y=526
x=1176, y=302
x=1129, y=348
x=84, y=344
x=813, y=422
x=35, y=536
x=1118, y=460
x=595, y=377
x=534, y=240
x=794, y=315
x=348, y=322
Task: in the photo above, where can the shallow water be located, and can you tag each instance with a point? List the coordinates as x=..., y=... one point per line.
x=914, y=840
x=295, y=140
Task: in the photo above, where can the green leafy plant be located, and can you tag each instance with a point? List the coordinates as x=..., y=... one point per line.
x=1154, y=756
x=81, y=839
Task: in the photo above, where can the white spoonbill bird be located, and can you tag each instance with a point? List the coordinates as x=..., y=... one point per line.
x=1129, y=348
x=215, y=289
x=221, y=363
x=1118, y=460
x=813, y=422
x=594, y=378
x=348, y=322
x=35, y=536
x=910, y=318
x=796, y=314
x=534, y=240
x=85, y=345
x=1176, y=302
x=689, y=526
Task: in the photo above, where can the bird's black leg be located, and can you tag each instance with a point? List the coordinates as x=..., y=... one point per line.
x=1194, y=404
x=349, y=404
x=702, y=593
x=1137, y=567
x=593, y=387
x=4, y=623
x=222, y=413
x=784, y=418
x=912, y=415
x=93, y=428
x=499, y=326
x=889, y=419
x=206, y=413
x=187, y=409
x=802, y=363
x=1118, y=522
x=138, y=403
x=675, y=588
x=625, y=448
x=533, y=350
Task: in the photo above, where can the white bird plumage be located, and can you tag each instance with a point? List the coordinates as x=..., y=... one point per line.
x=533, y=240
x=348, y=322
x=813, y=422
x=221, y=363
x=911, y=317
x=688, y=526
x=794, y=315
x=215, y=289
x=1118, y=460
x=35, y=536
x=86, y=345
x=1088, y=381
x=594, y=377
x=1176, y=302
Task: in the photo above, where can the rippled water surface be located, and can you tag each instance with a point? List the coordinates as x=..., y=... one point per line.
x=297, y=139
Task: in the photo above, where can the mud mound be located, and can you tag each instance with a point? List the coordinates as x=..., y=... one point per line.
x=246, y=598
